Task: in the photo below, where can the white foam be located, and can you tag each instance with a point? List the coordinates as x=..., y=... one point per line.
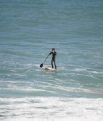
x=91, y=118
x=95, y=72
x=80, y=69
x=51, y=109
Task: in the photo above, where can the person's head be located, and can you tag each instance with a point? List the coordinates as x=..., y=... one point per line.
x=53, y=49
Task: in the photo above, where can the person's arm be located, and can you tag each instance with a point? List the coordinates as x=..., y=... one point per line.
x=55, y=53
x=50, y=53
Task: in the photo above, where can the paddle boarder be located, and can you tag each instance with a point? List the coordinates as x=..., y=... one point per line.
x=53, y=60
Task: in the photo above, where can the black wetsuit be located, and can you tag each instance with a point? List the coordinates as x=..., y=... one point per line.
x=53, y=59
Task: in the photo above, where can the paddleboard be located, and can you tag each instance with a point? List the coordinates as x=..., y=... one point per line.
x=49, y=69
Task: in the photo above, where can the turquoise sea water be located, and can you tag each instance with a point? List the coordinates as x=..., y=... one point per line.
x=28, y=31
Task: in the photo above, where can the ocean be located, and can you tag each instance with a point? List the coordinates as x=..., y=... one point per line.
x=29, y=29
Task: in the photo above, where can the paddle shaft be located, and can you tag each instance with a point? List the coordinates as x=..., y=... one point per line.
x=41, y=65
x=45, y=58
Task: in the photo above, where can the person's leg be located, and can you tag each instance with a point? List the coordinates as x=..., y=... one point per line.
x=52, y=63
x=55, y=64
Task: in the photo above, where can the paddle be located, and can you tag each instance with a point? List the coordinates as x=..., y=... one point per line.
x=41, y=65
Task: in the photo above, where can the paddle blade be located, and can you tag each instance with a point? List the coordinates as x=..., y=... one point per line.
x=41, y=65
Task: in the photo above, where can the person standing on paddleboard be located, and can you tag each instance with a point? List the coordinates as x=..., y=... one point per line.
x=53, y=60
